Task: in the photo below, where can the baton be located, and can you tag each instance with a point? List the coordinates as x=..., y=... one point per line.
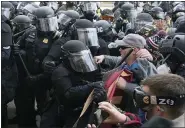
x=124, y=58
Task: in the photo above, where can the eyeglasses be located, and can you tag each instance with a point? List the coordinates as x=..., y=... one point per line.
x=123, y=47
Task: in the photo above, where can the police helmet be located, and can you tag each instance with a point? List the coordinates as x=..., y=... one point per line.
x=79, y=56
x=157, y=13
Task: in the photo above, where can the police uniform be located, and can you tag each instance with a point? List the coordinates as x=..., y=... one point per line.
x=8, y=70
x=36, y=45
x=73, y=84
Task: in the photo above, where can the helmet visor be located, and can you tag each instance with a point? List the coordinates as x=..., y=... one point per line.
x=160, y=15
x=90, y=6
x=63, y=19
x=6, y=12
x=88, y=36
x=47, y=24
x=139, y=24
x=82, y=61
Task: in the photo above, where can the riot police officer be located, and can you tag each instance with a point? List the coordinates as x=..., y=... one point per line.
x=128, y=13
x=89, y=11
x=7, y=10
x=35, y=44
x=21, y=24
x=73, y=80
x=173, y=49
x=83, y=30
x=65, y=20
x=105, y=31
x=8, y=70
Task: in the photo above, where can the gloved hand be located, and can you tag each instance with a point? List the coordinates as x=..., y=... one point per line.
x=32, y=78
x=99, y=94
x=138, y=75
x=49, y=66
x=16, y=49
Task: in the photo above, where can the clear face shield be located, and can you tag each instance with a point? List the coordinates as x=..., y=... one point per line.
x=139, y=24
x=90, y=6
x=160, y=15
x=88, y=36
x=47, y=24
x=63, y=19
x=82, y=61
x=6, y=12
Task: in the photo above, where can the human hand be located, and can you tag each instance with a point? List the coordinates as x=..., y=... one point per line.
x=99, y=59
x=114, y=115
x=49, y=66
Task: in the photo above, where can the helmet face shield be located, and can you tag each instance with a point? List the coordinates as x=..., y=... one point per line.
x=63, y=19
x=47, y=24
x=88, y=36
x=90, y=6
x=160, y=15
x=139, y=24
x=82, y=61
x=6, y=12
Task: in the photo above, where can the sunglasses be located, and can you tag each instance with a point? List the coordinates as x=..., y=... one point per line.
x=123, y=47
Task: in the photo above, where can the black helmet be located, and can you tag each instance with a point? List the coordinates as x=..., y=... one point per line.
x=29, y=10
x=103, y=27
x=86, y=32
x=128, y=11
x=178, y=11
x=79, y=56
x=157, y=13
x=108, y=15
x=44, y=12
x=45, y=19
x=66, y=18
x=7, y=9
x=179, y=20
x=175, y=47
x=143, y=19
x=21, y=22
x=105, y=30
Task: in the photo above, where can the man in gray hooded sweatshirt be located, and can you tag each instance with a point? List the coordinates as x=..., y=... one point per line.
x=137, y=62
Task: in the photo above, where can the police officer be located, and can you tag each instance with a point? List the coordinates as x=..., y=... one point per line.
x=105, y=31
x=173, y=49
x=21, y=24
x=36, y=44
x=143, y=19
x=9, y=77
x=89, y=11
x=65, y=20
x=7, y=10
x=73, y=80
x=128, y=13
x=83, y=30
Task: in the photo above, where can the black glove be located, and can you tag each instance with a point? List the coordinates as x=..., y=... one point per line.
x=16, y=49
x=99, y=94
x=49, y=66
x=138, y=75
x=34, y=78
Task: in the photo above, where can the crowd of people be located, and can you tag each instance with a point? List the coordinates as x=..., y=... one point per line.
x=85, y=67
